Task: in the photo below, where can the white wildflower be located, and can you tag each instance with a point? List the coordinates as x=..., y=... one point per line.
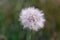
x=32, y=18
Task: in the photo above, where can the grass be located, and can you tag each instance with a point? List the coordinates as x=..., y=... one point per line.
x=12, y=29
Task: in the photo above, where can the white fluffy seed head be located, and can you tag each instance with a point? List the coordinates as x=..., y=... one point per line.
x=32, y=18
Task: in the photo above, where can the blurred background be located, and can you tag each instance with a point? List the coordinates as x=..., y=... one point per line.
x=11, y=28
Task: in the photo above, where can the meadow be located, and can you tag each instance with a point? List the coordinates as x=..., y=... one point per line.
x=11, y=28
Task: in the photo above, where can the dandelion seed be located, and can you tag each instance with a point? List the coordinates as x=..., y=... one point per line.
x=32, y=18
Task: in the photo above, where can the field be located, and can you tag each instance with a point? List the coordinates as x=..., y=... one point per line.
x=11, y=28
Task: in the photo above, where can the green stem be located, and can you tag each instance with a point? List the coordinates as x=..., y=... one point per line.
x=30, y=35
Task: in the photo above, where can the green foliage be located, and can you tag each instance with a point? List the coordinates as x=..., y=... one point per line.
x=12, y=29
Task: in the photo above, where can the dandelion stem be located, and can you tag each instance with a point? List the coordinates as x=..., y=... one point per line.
x=30, y=35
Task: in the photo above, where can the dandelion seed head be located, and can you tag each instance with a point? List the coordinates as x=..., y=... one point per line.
x=32, y=18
